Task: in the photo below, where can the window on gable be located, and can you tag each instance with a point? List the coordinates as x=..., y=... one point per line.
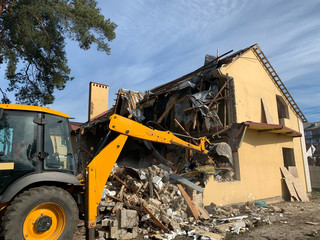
x=283, y=111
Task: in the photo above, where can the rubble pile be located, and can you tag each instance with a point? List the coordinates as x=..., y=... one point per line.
x=149, y=203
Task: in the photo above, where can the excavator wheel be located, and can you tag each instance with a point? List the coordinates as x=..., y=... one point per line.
x=46, y=213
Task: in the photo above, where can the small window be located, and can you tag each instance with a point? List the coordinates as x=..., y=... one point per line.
x=282, y=106
x=288, y=157
x=308, y=133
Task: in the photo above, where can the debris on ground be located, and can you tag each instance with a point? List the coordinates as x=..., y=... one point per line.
x=148, y=202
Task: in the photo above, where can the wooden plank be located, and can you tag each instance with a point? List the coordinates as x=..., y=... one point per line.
x=119, y=180
x=156, y=220
x=286, y=173
x=266, y=112
x=288, y=178
x=291, y=189
x=190, y=203
x=209, y=234
x=203, y=212
x=300, y=190
x=133, y=103
x=221, y=89
x=157, y=194
x=114, y=198
x=120, y=194
x=312, y=223
x=293, y=171
x=185, y=131
x=195, y=117
x=221, y=131
x=165, y=113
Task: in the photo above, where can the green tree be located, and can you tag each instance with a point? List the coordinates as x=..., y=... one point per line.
x=32, y=43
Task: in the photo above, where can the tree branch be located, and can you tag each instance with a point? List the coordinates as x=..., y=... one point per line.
x=41, y=25
x=28, y=78
x=20, y=50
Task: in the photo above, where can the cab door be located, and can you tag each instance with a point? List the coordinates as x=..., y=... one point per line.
x=18, y=146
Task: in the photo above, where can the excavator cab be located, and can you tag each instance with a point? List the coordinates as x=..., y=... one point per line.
x=33, y=142
x=37, y=166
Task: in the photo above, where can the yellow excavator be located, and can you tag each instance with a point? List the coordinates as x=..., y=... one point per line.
x=40, y=196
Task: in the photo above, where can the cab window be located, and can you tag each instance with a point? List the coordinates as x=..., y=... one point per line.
x=57, y=144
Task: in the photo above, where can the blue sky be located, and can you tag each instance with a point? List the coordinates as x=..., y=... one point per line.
x=159, y=41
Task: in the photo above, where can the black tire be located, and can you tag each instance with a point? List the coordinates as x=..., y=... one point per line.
x=13, y=220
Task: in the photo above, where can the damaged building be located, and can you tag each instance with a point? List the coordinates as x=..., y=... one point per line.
x=237, y=100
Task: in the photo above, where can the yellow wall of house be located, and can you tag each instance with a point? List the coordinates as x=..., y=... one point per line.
x=59, y=148
x=98, y=99
x=260, y=154
x=252, y=82
x=260, y=159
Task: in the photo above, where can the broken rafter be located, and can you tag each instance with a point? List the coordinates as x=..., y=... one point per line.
x=84, y=149
x=122, y=182
x=221, y=131
x=185, y=131
x=220, y=91
x=133, y=103
x=200, y=105
x=114, y=198
x=165, y=113
x=117, y=100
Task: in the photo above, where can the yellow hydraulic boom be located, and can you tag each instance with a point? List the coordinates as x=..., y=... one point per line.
x=99, y=169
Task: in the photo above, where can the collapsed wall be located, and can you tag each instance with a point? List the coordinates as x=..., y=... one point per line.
x=199, y=104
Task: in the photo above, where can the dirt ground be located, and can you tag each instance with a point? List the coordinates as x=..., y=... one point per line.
x=299, y=220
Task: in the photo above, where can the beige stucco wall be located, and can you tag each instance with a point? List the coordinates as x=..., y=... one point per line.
x=260, y=159
x=98, y=99
x=260, y=154
x=252, y=83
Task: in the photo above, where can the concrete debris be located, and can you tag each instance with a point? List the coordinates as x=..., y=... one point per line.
x=276, y=209
x=128, y=218
x=157, y=182
x=223, y=152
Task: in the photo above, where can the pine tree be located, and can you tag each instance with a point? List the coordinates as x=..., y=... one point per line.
x=32, y=43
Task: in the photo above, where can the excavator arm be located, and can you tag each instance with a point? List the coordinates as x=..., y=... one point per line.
x=100, y=167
